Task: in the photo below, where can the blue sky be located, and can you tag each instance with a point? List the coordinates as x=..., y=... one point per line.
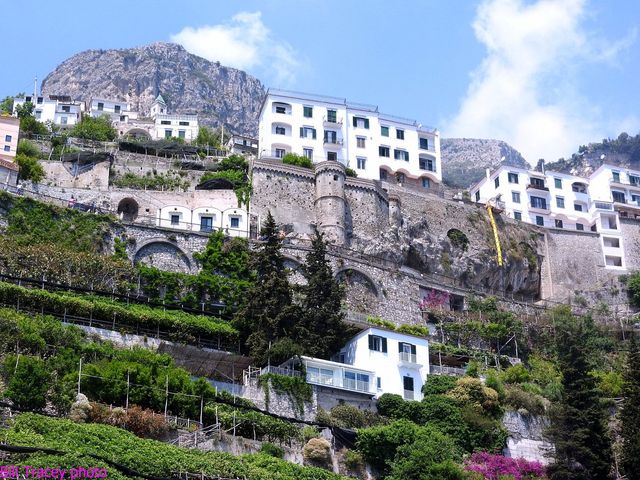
x=544, y=75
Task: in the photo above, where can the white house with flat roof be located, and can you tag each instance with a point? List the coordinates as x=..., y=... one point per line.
x=116, y=110
x=376, y=145
x=184, y=126
x=60, y=110
x=374, y=362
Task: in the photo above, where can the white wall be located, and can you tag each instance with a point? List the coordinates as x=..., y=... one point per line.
x=163, y=123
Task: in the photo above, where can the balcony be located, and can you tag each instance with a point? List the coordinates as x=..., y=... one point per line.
x=634, y=184
x=355, y=385
x=602, y=206
x=332, y=121
x=409, y=395
x=452, y=371
x=540, y=208
x=332, y=141
x=409, y=360
x=326, y=373
x=537, y=186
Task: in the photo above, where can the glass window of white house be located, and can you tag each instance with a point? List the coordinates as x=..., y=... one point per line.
x=558, y=183
x=478, y=196
x=330, y=136
x=323, y=376
x=513, y=177
x=235, y=222
x=281, y=109
x=579, y=226
x=377, y=343
x=496, y=182
x=307, y=112
x=7, y=148
x=333, y=156
x=280, y=152
x=537, y=182
x=424, y=143
x=100, y=106
x=175, y=219
x=616, y=176
x=426, y=183
x=401, y=155
x=307, y=132
x=308, y=152
x=332, y=116
x=407, y=352
x=168, y=133
x=356, y=381
x=407, y=383
x=362, y=163
x=360, y=142
x=619, y=197
x=360, y=122
x=539, y=202
x=383, y=151
x=182, y=133
x=517, y=216
x=206, y=224
x=280, y=130
x=515, y=197
x=399, y=134
x=7, y=138
x=539, y=221
x=116, y=109
x=577, y=207
x=384, y=131
x=383, y=174
x=167, y=122
x=560, y=202
x=558, y=223
x=428, y=164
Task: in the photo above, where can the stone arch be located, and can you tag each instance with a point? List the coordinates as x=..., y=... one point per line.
x=139, y=133
x=128, y=209
x=163, y=254
x=361, y=291
x=458, y=239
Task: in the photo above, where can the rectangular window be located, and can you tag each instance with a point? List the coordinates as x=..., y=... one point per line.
x=634, y=180
x=379, y=383
x=427, y=164
x=281, y=130
x=66, y=109
x=515, y=197
x=401, y=155
x=308, y=152
x=558, y=183
x=281, y=109
x=235, y=222
x=426, y=183
x=39, y=100
x=513, y=177
x=619, y=197
x=579, y=226
x=165, y=122
x=399, y=134
x=384, y=131
x=362, y=163
x=383, y=151
x=183, y=124
x=407, y=352
x=175, y=219
x=279, y=152
x=100, y=106
x=478, y=196
x=168, y=133
x=407, y=382
x=360, y=142
x=635, y=199
x=38, y=114
x=377, y=343
x=558, y=223
x=616, y=176
x=7, y=138
x=539, y=202
x=7, y=148
x=517, y=216
x=560, y=202
x=182, y=134
x=116, y=109
x=537, y=182
x=400, y=178
x=307, y=112
x=356, y=381
x=332, y=116
x=330, y=136
x=577, y=207
x=123, y=118
x=206, y=224
x=333, y=156
x=539, y=221
x=360, y=122
x=383, y=174
x=424, y=143
x=496, y=182
x=307, y=132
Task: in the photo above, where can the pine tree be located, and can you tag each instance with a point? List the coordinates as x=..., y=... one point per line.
x=268, y=315
x=320, y=330
x=579, y=422
x=630, y=414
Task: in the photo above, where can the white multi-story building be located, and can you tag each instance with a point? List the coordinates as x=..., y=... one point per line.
x=60, y=110
x=9, y=133
x=374, y=362
x=184, y=126
x=116, y=110
x=243, y=145
x=557, y=200
x=233, y=221
x=374, y=144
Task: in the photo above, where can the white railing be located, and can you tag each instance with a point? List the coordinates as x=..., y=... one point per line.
x=357, y=385
x=319, y=378
x=408, y=357
x=439, y=370
x=408, y=395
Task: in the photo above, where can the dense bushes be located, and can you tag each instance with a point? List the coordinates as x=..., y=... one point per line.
x=297, y=160
x=184, y=326
x=157, y=181
x=94, y=128
x=235, y=170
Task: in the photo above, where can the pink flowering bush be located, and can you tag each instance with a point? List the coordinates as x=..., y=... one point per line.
x=497, y=467
x=434, y=299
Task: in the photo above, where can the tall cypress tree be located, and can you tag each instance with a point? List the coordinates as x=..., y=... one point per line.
x=320, y=330
x=579, y=422
x=268, y=315
x=630, y=414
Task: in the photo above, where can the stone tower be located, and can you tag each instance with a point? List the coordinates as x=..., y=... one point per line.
x=330, y=206
x=395, y=214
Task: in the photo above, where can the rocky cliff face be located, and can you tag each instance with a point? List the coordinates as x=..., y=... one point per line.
x=188, y=83
x=464, y=160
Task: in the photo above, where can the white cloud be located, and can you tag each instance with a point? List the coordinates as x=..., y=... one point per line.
x=245, y=43
x=525, y=92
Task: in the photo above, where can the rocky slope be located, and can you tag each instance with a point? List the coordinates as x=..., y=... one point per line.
x=623, y=151
x=187, y=82
x=464, y=160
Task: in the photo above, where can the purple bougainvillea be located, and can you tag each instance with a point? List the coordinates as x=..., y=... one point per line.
x=495, y=467
x=434, y=299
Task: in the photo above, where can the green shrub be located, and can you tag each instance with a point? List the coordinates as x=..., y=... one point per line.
x=348, y=416
x=157, y=181
x=472, y=392
x=353, y=460
x=518, y=399
x=272, y=450
x=391, y=405
x=438, y=384
x=30, y=168
x=297, y=160
x=492, y=380
x=473, y=369
x=28, y=148
x=350, y=172
x=94, y=128
x=317, y=451
x=378, y=445
x=458, y=239
x=28, y=381
x=516, y=374
x=633, y=288
x=309, y=432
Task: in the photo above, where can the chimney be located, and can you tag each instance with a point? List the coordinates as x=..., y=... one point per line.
x=488, y=173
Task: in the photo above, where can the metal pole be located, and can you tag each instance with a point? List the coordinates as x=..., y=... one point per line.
x=79, y=375
x=201, y=408
x=166, y=394
x=126, y=407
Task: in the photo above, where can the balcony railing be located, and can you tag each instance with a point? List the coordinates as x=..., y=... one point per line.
x=438, y=370
x=630, y=183
x=332, y=141
x=408, y=357
x=603, y=206
x=543, y=207
x=535, y=186
x=408, y=394
x=332, y=120
x=320, y=378
x=357, y=385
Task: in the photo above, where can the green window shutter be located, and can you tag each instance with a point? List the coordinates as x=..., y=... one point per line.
x=384, y=345
x=406, y=156
x=355, y=121
x=314, y=133
x=413, y=349
x=400, y=347
x=370, y=342
x=366, y=123
x=301, y=132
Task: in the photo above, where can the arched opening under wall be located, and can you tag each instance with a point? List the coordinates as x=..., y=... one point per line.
x=361, y=293
x=128, y=209
x=163, y=254
x=138, y=134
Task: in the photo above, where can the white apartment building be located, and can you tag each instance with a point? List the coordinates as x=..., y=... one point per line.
x=243, y=145
x=233, y=221
x=184, y=126
x=374, y=362
x=557, y=200
x=376, y=145
x=60, y=110
x=116, y=110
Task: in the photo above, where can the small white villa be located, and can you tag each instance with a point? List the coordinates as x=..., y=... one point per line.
x=374, y=362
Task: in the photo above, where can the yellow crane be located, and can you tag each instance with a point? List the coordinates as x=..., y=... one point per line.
x=492, y=205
